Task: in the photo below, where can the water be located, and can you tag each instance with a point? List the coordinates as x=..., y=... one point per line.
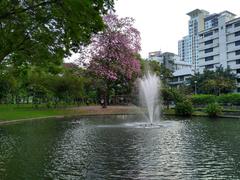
x=149, y=94
x=116, y=147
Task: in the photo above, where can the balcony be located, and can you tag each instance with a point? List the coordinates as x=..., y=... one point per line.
x=231, y=38
x=232, y=47
x=214, y=36
x=232, y=30
x=202, y=54
x=214, y=44
x=234, y=66
x=231, y=56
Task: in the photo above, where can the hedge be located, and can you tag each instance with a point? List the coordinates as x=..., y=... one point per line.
x=203, y=99
x=233, y=99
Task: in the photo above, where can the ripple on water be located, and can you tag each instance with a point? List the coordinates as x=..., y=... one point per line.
x=95, y=148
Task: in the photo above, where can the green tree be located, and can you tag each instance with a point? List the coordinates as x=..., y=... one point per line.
x=42, y=32
x=214, y=82
x=157, y=68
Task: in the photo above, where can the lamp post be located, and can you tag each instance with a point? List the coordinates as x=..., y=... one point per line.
x=195, y=87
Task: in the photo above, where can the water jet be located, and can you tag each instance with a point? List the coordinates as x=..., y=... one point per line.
x=149, y=86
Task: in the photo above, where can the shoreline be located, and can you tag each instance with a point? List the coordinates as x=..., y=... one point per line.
x=86, y=111
x=82, y=111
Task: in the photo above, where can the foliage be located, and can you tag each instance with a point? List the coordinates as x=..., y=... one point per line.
x=167, y=96
x=36, y=86
x=171, y=95
x=203, y=99
x=184, y=108
x=213, y=110
x=233, y=99
x=42, y=32
x=157, y=68
x=214, y=82
x=112, y=52
x=8, y=86
x=113, y=55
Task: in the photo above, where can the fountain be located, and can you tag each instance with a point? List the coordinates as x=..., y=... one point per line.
x=149, y=95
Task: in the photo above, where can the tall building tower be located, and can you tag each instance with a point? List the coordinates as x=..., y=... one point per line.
x=188, y=46
x=219, y=44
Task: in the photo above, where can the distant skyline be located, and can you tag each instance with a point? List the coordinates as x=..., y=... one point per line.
x=163, y=23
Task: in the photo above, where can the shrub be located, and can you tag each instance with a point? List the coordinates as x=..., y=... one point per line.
x=229, y=98
x=49, y=104
x=203, y=99
x=213, y=109
x=171, y=95
x=184, y=108
x=177, y=96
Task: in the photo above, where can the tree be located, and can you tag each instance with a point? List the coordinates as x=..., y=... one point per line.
x=8, y=85
x=42, y=32
x=214, y=82
x=113, y=52
x=159, y=69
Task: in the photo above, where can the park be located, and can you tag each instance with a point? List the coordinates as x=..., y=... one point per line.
x=111, y=113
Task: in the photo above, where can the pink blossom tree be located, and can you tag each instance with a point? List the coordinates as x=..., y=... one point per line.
x=113, y=51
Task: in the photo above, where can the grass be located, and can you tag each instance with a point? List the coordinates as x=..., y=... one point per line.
x=18, y=112
x=13, y=112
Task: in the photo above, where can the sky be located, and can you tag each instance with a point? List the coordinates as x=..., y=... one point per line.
x=163, y=22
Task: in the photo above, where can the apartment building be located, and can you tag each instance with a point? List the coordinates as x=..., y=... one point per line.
x=169, y=60
x=181, y=77
x=188, y=46
x=155, y=55
x=219, y=43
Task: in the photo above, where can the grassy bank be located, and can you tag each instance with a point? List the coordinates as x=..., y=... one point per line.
x=16, y=112
x=21, y=112
x=172, y=112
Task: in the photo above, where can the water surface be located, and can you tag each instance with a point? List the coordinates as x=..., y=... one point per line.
x=117, y=147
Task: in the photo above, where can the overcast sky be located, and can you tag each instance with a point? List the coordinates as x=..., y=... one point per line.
x=163, y=22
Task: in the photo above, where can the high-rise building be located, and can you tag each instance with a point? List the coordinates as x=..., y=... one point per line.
x=219, y=43
x=188, y=46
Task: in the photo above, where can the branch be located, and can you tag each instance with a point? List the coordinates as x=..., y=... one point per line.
x=18, y=11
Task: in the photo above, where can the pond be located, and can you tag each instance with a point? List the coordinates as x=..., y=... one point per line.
x=116, y=147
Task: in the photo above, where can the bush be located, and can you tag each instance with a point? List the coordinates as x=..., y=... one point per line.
x=213, y=109
x=233, y=99
x=203, y=99
x=171, y=95
x=184, y=108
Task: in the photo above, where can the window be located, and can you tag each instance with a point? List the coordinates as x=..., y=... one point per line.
x=237, y=24
x=237, y=43
x=210, y=50
x=175, y=79
x=237, y=52
x=229, y=26
x=210, y=66
x=208, y=42
x=209, y=58
x=208, y=34
x=238, y=89
x=238, y=71
x=238, y=61
x=181, y=78
x=237, y=33
x=238, y=80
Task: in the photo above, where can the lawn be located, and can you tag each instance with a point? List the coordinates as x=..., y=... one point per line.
x=16, y=112
x=13, y=112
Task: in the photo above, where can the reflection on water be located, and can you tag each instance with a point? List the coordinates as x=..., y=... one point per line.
x=118, y=147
